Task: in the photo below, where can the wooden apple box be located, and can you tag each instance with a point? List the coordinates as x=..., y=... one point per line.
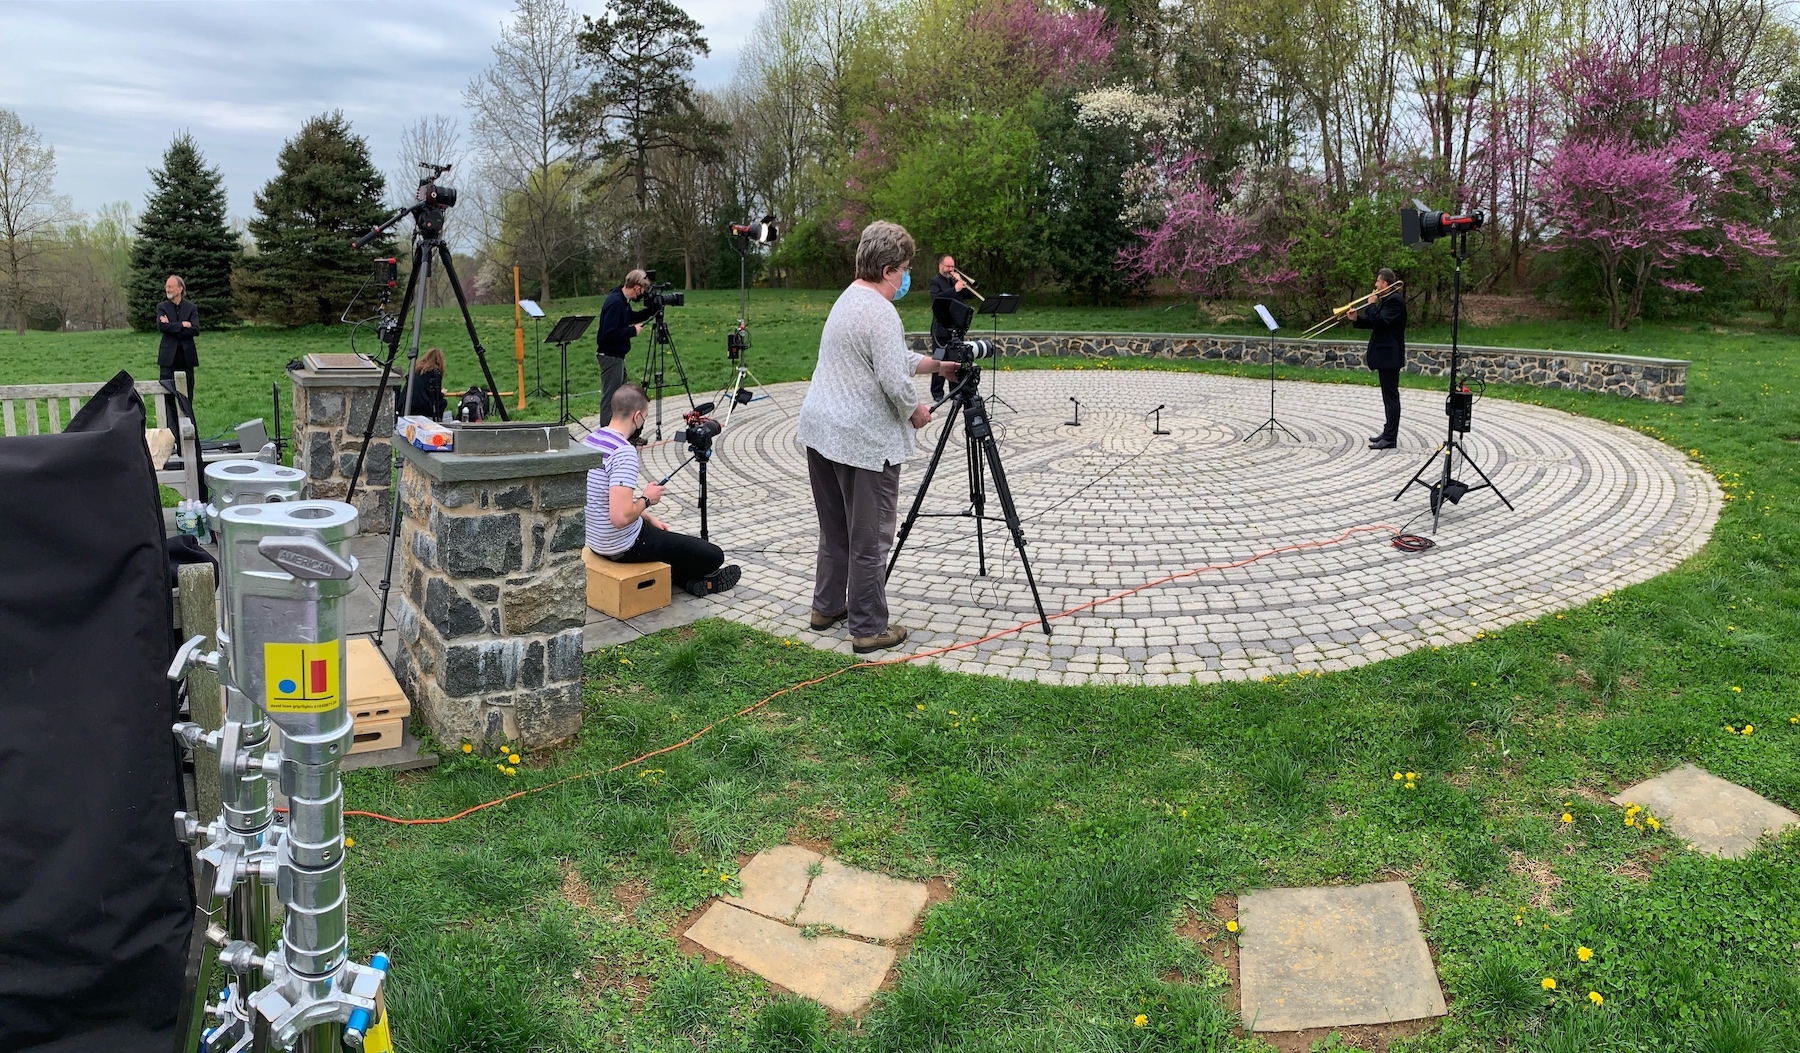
x=378, y=707
x=377, y=735
x=625, y=590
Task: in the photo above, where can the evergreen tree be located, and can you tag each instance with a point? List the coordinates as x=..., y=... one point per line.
x=327, y=193
x=183, y=231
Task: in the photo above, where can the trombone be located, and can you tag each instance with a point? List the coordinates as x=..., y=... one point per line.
x=968, y=283
x=1338, y=314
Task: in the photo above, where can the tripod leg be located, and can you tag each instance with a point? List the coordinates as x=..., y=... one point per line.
x=387, y=369
x=469, y=322
x=977, y=501
x=1007, y=509
x=912, y=515
x=1420, y=474
x=1470, y=461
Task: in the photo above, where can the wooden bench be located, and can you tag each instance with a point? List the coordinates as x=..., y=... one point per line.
x=19, y=415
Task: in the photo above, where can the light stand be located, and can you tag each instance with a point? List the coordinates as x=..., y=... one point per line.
x=737, y=341
x=566, y=331
x=1459, y=404
x=285, y=574
x=995, y=306
x=1271, y=425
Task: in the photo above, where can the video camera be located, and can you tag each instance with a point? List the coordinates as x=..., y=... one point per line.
x=657, y=297
x=701, y=428
x=954, y=316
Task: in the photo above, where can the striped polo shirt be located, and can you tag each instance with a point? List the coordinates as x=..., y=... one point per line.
x=619, y=469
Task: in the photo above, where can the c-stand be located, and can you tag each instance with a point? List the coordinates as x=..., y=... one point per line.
x=737, y=341
x=1459, y=406
x=979, y=446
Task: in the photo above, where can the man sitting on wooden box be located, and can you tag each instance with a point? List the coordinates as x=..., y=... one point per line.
x=619, y=524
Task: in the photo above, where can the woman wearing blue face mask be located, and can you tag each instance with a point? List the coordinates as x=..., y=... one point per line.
x=858, y=424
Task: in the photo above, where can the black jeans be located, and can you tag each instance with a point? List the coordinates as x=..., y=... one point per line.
x=1390, y=402
x=171, y=418
x=688, y=557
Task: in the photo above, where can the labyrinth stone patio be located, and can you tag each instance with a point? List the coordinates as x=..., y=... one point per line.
x=1107, y=506
x=1717, y=817
x=1333, y=957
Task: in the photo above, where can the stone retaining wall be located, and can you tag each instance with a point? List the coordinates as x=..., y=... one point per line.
x=330, y=412
x=1631, y=376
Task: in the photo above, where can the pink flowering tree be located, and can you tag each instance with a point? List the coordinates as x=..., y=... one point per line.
x=1659, y=162
x=1186, y=233
x=1045, y=46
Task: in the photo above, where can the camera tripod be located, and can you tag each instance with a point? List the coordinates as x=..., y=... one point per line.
x=662, y=347
x=1459, y=406
x=979, y=446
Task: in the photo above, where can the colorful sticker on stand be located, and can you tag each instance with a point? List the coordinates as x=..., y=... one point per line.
x=301, y=678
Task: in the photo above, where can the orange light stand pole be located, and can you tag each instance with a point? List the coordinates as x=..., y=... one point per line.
x=518, y=339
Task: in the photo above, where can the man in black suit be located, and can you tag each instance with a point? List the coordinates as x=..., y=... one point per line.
x=944, y=284
x=178, y=320
x=618, y=324
x=1385, y=317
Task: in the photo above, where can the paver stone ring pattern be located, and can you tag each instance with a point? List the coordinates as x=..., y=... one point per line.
x=1107, y=506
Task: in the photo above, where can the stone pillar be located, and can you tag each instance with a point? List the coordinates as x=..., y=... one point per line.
x=493, y=592
x=331, y=409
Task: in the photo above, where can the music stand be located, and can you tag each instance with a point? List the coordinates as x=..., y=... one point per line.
x=531, y=308
x=997, y=305
x=566, y=331
x=1271, y=425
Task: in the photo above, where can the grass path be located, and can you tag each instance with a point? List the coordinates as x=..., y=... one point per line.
x=1081, y=827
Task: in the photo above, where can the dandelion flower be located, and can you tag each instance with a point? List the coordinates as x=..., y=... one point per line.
x=1411, y=786
x=349, y=842
x=499, y=767
x=1184, y=813
x=1548, y=983
x=1748, y=728
x=1594, y=997
x=1567, y=818
x=1586, y=954
x=512, y=758
x=1398, y=776
x=468, y=748
x=624, y=661
x=1231, y=926
x=1410, y=776
x=724, y=877
x=1736, y=690
x=918, y=705
x=1651, y=822
x=1139, y=1020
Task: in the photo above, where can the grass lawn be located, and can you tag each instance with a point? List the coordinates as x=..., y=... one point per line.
x=1081, y=828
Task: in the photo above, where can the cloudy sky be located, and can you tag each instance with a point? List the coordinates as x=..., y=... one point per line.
x=109, y=83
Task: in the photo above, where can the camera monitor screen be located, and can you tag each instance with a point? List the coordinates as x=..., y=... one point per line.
x=952, y=313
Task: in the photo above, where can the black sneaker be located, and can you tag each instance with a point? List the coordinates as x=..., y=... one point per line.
x=720, y=580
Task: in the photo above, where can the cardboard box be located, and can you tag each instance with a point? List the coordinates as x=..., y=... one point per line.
x=625, y=590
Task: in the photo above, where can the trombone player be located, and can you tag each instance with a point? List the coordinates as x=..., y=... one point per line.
x=948, y=282
x=1383, y=313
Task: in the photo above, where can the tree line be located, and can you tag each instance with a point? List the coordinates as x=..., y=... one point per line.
x=1634, y=158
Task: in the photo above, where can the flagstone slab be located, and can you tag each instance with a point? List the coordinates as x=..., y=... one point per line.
x=861, y=902
x=775, y=881
x=1714, y=815
x=840, y=974
x=1333, y=957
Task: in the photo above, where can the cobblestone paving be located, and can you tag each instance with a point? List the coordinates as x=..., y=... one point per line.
x=1108, y=506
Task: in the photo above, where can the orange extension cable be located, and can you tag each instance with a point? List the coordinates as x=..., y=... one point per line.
x=790, y=689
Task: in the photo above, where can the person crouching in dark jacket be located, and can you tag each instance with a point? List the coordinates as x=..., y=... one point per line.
x=428, y=386
x=1385, y=317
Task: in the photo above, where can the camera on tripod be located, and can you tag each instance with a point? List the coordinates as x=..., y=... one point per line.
x=954, y=317
x=701, y=428
x=432, y=199
x=657, y=297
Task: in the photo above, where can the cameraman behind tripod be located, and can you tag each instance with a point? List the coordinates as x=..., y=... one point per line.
x=857, y=425
x=618, y=324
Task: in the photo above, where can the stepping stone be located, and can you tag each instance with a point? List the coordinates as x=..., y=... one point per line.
x=1333, y=957
x=1715, y=816
x=775, y=881
x=861, y=902
x=840, y=974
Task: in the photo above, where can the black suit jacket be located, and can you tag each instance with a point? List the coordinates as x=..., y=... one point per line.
x=616, y=320
x=177, y=348
x=1387, y=340
x=944, y=288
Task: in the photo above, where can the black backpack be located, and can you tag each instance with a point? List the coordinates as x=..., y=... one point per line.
x=473, y=406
